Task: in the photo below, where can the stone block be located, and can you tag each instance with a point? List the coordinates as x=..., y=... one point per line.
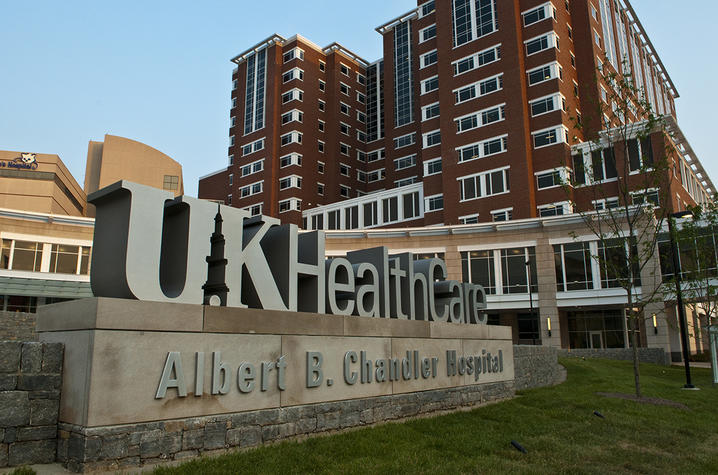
x=270, y=416
x=306, y=425
x=3, y=455
x=52, y=357
x=215, y=435
x=37, y=433
x=328, y=421
x=10, y=352
x=193, y=439
x=9, y=435
x=44, y=411
x=8, y=382
x=270, y=433
x=49, y=394
x=114, y=447
x=39, y=382
x=185, y=454
x=250, y=436
x=14, y=409
x=31, y=357
x=32, y=452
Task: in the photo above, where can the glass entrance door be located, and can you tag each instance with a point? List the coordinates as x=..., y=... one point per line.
x=596, y=339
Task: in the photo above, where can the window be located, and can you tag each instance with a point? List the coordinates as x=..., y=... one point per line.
x=292, y=116
x=640, y=154
x=427, y=33
x=361, y=156
x=171, y=182
x=231, y=159
x=469, y=219
x=428, y=59
x=344, y=88
x=320, y=189
x=405, y=162
x=546, y=104
x=234, y=102
x=361, y=176
x=344, y=108
x=376, y=175
x=361, y=136
x=603, y=165
x=251, y=168
x=232, y=121
x=541, y=43
x=544, y=73
x=322, y=66
x=645, y=196
x=537, y=14
x=344, y=169
x=434, y=203
x=477, y=60
x=254, y=94
x=320, y=168
x=322, y=105
x=480, y=118
x=605, y=203
x=344, y=69
x=551, y=178
x=375, y=155
x=292, y=95
x=291, y=137
x=430, y=111
x=554, y=209
x=292, y=74
x=613, y=262
x=502, y=214
x=515, y=272
x=344, y=191
x=404, y=140
x=405, y=181
x=321, y=125
x=478, y=89
x=432, y=167
x=320, y=146
x=482, y=149
x=292, y=181
x=322, y=85
x=403, y=81
x=361, y=98
x=480, y=185
x=344, y=149
x=234, y=84
x=411, y=205
x=21, y=255
x=292, y=204
x=344, y=128
x=432, y=138
x=294, y=53
x=255, y=146
x=477, y=267
x=426, y=9
x=254, y=210
x=290, y=159
x=231, y=140
x=431, y=84
x=361, y=79
x=472, y=21
x=546, y=137
x=252, y=189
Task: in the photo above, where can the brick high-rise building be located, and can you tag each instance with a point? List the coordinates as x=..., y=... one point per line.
x=469, y=117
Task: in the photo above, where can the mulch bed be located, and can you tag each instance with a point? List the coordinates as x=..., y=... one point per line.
x=646, y=400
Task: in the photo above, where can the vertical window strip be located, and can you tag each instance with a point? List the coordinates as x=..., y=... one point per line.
x=403, y=90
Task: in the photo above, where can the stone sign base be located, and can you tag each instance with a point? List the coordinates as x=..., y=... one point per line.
x=145, y=381
x=125, y=446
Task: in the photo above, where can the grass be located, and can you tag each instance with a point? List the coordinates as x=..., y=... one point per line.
x=556, y=425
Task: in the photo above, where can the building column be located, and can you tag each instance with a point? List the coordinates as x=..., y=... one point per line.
x=452, y=258
x=651, y=280
x=547, y=305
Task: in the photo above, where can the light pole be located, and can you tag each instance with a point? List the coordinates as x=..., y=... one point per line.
x=679, y=296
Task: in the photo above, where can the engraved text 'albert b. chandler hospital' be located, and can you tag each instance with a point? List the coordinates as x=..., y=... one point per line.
x=150, y=246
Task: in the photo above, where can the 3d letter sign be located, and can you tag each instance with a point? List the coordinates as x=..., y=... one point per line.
x=150, y=246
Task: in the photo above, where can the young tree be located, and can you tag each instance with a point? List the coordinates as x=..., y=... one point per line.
x=620, y=187
x=697, y=242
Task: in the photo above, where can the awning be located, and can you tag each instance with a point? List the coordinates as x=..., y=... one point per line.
x=66, y=289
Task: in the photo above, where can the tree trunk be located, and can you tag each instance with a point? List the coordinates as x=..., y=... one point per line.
x=634, y=342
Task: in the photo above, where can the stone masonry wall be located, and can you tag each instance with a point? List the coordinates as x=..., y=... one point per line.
x=536, y=366
x=30, y=382
x=127, y=446
x=17, y=326
x=645, y=355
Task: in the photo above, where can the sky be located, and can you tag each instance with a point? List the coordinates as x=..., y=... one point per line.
x=159, y=71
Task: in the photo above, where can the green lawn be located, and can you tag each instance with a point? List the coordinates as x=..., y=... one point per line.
x=556, y=425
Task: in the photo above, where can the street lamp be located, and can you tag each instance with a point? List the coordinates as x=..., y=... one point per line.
x=679, y=296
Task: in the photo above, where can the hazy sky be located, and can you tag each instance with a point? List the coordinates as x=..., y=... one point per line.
x=159, y=71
